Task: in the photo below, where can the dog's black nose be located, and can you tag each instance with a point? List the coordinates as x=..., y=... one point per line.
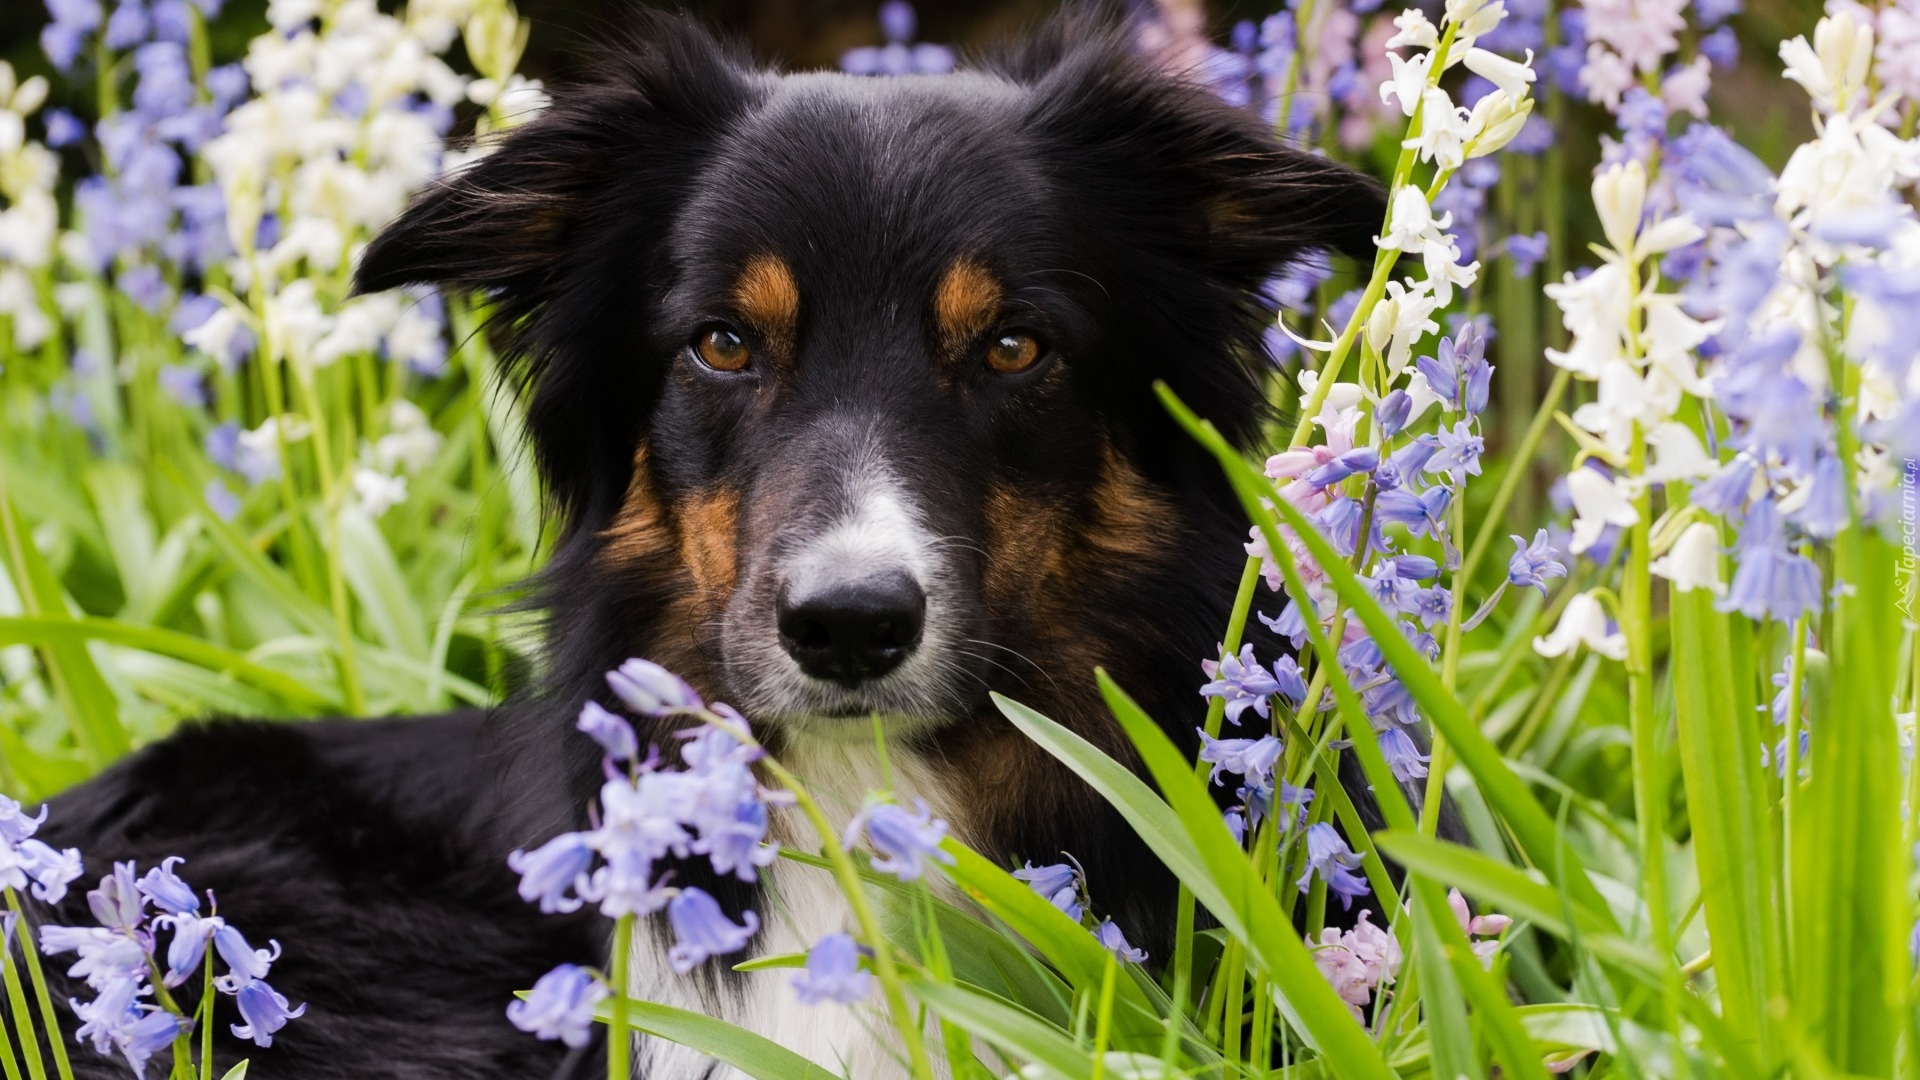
x=850, y=631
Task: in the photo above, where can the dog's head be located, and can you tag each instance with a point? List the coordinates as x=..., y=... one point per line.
x=843, y=386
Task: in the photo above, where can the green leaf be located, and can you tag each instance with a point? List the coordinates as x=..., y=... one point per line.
x=1531, y=825
x=1516, y=894
x=754, y=1055
x=1850, y=866
x=1729, y=807
x=1192, y=840
x=368, y=564
x=238, y=1072
x=47, y=631
x=1009, y=1028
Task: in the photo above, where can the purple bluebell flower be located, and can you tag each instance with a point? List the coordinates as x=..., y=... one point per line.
x=1242, y=682
x=1288, y=681
x=1432, y=605
x=221, y=500
x=1824, y=513
x=165, y=889
x=1251, y=758
x=1715, y=12
x=1293, y=288
x=1422, y=515
x=703, y=930
x=1058, y=882
x=1362, y=653
x=1725, y=492
x=63, y=128
x=651, y=690
x=1290, y=624
x=265, y=1011
x=1534, y=562
x=183, y=384
x=1527, y=250
x=1392, y=413
x=1721, y=48
x=127, y=26
x=906, y=841
x=560, y=1006
x=549, y=871
x=15, y=824
x=172, y=21
x=832, y=973
x=1236, y=822
x=1329, y=856
x=1403, y=757
x=191, y=933
x=117, y=903
x=1459, y=453
x=1116, y=943
x=1772, y=580
x=104, y=956
x=49, y=870
x=614, y=733
x=1260, y=799
x=244, y=962
x=1340, y=521
x=1360, y=459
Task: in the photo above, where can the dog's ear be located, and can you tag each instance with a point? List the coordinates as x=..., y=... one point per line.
x=1164, y=150
x=564, y=224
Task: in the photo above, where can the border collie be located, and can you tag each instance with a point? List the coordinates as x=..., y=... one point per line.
x=841, y=389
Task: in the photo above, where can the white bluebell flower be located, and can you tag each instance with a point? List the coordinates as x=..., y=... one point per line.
x=702, y=930
x=560, y=1006
x=105, y=956
x=833, y=973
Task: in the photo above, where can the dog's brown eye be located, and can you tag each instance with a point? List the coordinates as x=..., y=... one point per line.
x=722, y=350
x=1012, y=354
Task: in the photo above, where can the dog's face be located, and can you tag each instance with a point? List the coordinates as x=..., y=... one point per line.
x=844, y=385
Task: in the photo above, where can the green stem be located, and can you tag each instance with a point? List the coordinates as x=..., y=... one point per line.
x=1495, y=517
x=619, y=1037
x=17, y=1002
x=1182, y=971
x=39, y=980
x=1649, y=792
x=849, y=878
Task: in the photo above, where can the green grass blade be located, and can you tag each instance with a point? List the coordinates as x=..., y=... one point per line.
x=1007, y=1027
x=1728, y=805
x=48, y=631
x=1187, y=833
x=754, y=1055
x=1532, y=827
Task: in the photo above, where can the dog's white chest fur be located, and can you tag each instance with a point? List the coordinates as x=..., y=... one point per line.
x=803, y=905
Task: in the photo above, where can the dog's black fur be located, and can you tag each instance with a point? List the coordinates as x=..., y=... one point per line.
x=1124, y=218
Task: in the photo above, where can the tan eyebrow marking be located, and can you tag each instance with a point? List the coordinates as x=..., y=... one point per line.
x=769, y=298
x=965, y=303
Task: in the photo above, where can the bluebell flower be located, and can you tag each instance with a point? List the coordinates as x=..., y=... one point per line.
x=49, y=870
x=1340, y=521
x=1251, y=758
x=1391, y=591
x=1236, y=822
x=651, y=690
x=1771, y=580
x=1360, y=459
x=1422, y=515
x=1058, y=882
x=172, y=21
x=104, y=956
x=117, y=903
x=1721, y=48
x=165, y=889
x=832, y=973
x=1259, y=799
x=265, y=1011
x=614, y=733
x=63, y=128
x=1459, y=453
x=1116, y=943
x=191, y=933
x=1432, y=605
x=244, y=962
x=1290, y=624
x=183, y=385
x=548, y=872
x=560, y=1006
x=1391, y=415
x=1533, y=563
x=66, y=34
x=228, y=84
x=1527, y=250
x=1293, y=287
x=1242, y=682
x=905, y=841
x=703, y=930
x=127, y=26
x=137, y=1032
x=221, y=500
x=1824, y=513
x=1715, y=12
x=1329, y=856
x=1408, y=461
x=1403, y=757
x=1288, y=681
x=15, y=824
x=1725, y=492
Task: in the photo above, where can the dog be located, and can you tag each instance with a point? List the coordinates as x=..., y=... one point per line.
x=841, y=389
